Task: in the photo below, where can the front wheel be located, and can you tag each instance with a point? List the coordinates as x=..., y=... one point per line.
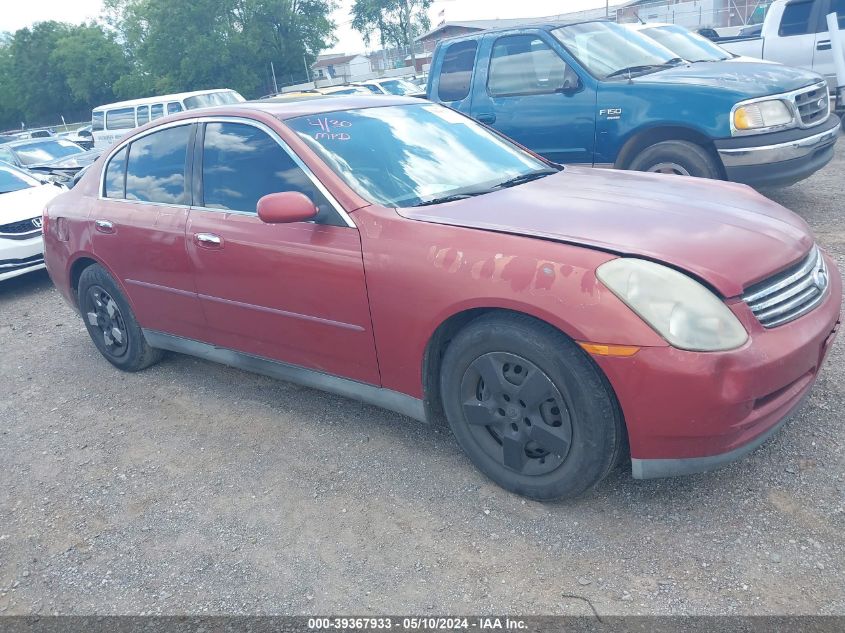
x=679, y=158
x=529, y=408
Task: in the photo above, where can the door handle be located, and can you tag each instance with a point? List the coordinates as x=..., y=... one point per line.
x=104, y=226
x=487, y=118
x=824, y=45
x=208, y=240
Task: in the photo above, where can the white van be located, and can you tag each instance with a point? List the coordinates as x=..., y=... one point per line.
x=114, y=120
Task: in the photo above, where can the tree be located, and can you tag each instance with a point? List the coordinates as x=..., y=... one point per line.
x=178, y=46
x=399, y=22
x=91, y=61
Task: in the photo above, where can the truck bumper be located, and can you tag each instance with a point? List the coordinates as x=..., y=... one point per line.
x=781, y=158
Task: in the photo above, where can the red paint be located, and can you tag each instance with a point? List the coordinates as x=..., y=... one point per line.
x=364, y=302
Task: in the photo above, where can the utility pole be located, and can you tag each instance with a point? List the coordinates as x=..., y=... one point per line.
x=275, y=85
x=307, y=70
x=607, y=8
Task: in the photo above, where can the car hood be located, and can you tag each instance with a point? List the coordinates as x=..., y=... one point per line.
x=724, y=233
x=747, y=78
x=26, y=203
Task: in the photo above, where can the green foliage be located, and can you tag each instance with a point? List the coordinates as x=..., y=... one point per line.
x=147, y=47
x=397, y=22
x=180, y=46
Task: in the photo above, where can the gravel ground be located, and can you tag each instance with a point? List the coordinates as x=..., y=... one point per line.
x=195, y=488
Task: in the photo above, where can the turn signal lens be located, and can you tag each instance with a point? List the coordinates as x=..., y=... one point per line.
x=609, y=350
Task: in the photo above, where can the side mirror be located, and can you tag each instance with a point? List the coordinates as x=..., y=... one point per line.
x=85, y=133
x=286, y=207
x=571, y=84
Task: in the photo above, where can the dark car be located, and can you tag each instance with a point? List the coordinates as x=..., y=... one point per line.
x=54, y=158
x=400, y=253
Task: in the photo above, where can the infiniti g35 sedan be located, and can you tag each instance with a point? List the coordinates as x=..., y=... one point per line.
x=397, y=252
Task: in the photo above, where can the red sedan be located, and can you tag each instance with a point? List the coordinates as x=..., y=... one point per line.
x=397, y=252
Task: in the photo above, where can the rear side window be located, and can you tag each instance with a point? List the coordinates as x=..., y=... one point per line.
x=524, y=64
x=156, y=111
x=155, y=170
x=241, y=164
x=456, y=72
x=839, y=7
x=143, y=114
x=123, y=119
x=796, y=19
x=97, y=121
x=173, y=107
x=115, y=186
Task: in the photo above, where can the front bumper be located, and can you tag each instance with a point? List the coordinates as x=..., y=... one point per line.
x=18, y=257
x=688, y=412
x=780, y=158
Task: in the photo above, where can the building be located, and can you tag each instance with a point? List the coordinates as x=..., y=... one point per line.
x=345, y=67
x=694, y=13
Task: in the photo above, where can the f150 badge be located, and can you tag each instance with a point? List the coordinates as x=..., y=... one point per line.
x=612, y=114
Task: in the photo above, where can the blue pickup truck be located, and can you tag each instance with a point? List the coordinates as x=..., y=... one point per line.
x=597, y=93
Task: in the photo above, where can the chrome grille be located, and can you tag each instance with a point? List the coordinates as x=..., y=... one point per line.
x=22, y=230
x=813, y=105
x=791, y=293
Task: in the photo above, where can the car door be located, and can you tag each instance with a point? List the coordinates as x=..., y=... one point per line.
x=823, y=54
x=797, y=32
x=533, y=96
x=293, y=293
x=139, y=229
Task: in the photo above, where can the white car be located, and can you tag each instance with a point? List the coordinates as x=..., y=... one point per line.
x=22, y=200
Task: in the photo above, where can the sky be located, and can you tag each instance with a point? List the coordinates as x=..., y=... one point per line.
x=17, y=14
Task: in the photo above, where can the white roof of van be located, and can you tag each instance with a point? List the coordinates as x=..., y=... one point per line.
x=178, y=96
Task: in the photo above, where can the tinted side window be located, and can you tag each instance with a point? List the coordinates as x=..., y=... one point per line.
x=143, y=114
x=123, y=119
x=156, y=111
x=97, y=121
x=839, y=7
x=456, y=72
x=116, y=176
x=796, y=19
x=524, y=64
x=242, y=164
x=155, y=170
x=173, y=107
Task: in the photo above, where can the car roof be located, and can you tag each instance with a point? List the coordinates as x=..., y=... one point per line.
x=306, y=107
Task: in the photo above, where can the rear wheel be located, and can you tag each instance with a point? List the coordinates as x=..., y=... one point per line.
x=111, y=322
x=680, y=158
x=529, y=408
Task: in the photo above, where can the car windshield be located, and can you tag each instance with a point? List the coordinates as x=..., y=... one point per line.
x=226, y=97
x=400, y=87
x=684, y=43
x=14, y=180
x=607, y=49
x=45, y=151
x=403, y=156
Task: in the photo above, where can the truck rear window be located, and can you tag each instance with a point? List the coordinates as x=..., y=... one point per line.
x=456, y=72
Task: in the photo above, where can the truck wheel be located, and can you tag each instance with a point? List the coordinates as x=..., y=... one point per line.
x=529, y=407
x=680, y=158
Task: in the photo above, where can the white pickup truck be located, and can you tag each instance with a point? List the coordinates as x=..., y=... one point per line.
x=795, y=33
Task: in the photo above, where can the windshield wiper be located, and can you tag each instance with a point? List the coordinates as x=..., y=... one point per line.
x=451, y=198
x=523, y=178
x=644, y=68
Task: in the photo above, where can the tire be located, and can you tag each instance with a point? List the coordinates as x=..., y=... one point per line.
x=549, y=427
x=111, y=322
x=678, y=157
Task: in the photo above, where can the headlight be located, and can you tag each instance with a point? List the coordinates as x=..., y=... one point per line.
x=679, y=308
x=763, y=114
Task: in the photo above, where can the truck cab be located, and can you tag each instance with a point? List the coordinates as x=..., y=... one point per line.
x=595, y=93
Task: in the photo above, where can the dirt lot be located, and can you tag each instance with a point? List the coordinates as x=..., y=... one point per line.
x=195, y=488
